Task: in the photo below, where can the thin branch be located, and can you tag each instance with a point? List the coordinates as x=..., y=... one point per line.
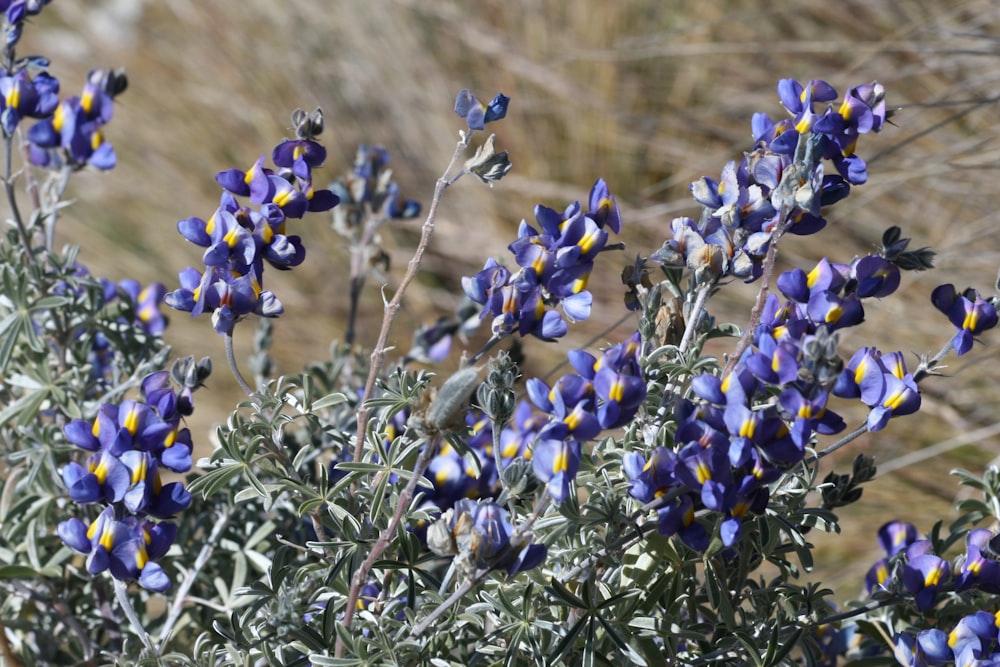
x=5, y=651
x=402, y=505
x=8, y=186
x=847, y=439
x=857, y=611
x=192, y=574
x=758, y=307
x=393, y=305
x=121, y=592
x=234, y=367
x=695, y=315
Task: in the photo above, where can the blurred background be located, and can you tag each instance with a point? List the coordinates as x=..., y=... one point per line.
x=648, y=94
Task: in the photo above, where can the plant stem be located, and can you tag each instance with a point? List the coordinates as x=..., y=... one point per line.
x=847, y=439
x=121, y=592
x=695, y=315
x=758, y=307
x=857, y=611
x=393, y=305
x=192, y=574
x=402, y=505
x=460, y=592
x=6, y=654
x=231, y=359
x=15, y=213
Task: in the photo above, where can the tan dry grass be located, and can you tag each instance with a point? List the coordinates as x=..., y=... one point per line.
x=648, y=94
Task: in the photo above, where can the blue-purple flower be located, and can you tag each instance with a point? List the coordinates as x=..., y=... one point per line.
x=481, y=533
x=71, y=132
x=476, y=113
x=968, y=311
x=923, y=574
x=555, y=260
x=130, y=442
x=239, y=239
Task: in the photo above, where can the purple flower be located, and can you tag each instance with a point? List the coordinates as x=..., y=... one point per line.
x=555, y=463
x=981, y=568
x=895, y=536
x=482, y=532
x=478, y=114
x=126, y=548
x=923, y=574
x=968, y=311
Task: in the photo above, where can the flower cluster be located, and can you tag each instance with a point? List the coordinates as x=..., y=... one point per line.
x=555, y=263
x=131, y=442
x=238, y=239
x=73, y=135
x=758, y=420
x=770, y=185
x=481, y=536
x=369, y=189
x=604, y=393
x=973, y=642
x=911, y=565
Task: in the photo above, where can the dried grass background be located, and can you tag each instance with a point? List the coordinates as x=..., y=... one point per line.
x=648, y=94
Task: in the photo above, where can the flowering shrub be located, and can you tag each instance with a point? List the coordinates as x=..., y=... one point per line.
x=625, y=512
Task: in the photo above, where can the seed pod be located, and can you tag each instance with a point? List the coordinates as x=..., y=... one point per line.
x=447, y=411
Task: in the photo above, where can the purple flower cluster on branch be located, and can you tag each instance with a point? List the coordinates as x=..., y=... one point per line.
x=555, y=263
x=238, y=239
x=480, y=534
x=73, y=135
x=68, y=132
x=768, y=186
x=747, y=427
x=130, y=443
x=913, y=570
x=604, y=393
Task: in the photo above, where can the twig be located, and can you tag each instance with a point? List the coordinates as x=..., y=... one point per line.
x=121, y=592
x=7, y=655
x=857, y=611
x=695, y=315
x=206, y=552
x=847, y=439
x=758, y=306
x=392, y=306
x=402, y=505
x=15, y=213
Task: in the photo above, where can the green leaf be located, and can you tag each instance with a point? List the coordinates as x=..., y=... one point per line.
x=329, y=401
x=563, y=594
x=12, y=325
x=214, y=480
x=50, y=302
x=17, y=572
